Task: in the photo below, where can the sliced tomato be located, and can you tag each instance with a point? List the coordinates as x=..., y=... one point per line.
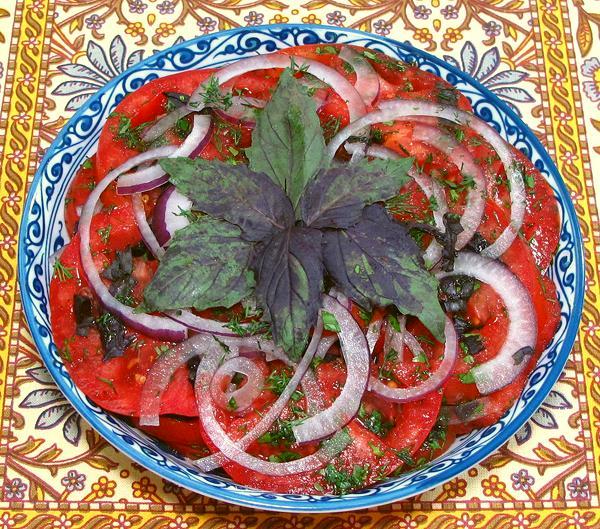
x=141, y=106
x=182, y=433
x=114, y=384
x=80, y=189
x=541, y=223
x=484, y=308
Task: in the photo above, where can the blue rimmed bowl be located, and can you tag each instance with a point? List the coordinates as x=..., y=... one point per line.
x=43, y=233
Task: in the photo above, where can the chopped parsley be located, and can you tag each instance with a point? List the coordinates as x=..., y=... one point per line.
x=61, y=271
x=385, y=61
x=278, y=380
x=467, y=378
x=212, y=95
x=104, y=233
x=330, y=322
x=232, y=404
x=343, y=481
x=108, y=382
x=374, y=421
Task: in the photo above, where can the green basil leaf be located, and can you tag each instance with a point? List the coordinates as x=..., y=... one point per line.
x=377, y=262
x=233, y=193
x=287, y=142
x=336, y=198
x=289, y=282
x=205, y=265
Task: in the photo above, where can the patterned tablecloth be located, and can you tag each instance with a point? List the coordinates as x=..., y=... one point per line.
x=542, y=57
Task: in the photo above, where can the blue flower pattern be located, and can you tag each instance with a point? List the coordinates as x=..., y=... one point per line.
x=56, y=407
x=543, y=417
x=87, y=80
x=486, y=71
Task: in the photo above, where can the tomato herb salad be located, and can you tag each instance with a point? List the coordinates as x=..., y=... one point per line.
x=311, y=269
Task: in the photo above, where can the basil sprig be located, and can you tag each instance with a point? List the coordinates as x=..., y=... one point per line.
x=282, y=226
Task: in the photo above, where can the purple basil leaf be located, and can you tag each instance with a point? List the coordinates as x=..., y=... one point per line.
x=289, y=282
x=233, y=193
x=376, y=262
x=205, y=265
x=336, y=198
x=287, y=141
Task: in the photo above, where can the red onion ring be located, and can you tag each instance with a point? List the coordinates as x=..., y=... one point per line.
x=395, y=339
x=432, y=383
x=233, y=451
x=373, y=332
x=154, y=176
x=356, y=355
x=244, y=396
x=216, y=460
x=198, y=324
x=367, y=80
x=161, y=373
x=337, y=81
x=404, y=109
x=167, y=217
x=461, y=157
x=241, y=111
x=153, y=326
x=165, y=123
x=522, y=328
x=147, y=234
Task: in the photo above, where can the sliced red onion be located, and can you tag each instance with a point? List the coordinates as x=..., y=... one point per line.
x=154, y=176
x=367, y=79
x=216, y=460
x=395, y=339
x=313, y=394
x=403, y=109
x=522, y=327
x=462, y=158
x=373, y=332
x=161, y=373
x=338, y=82
x=239, y=399
x=198, y=324
x=356, y=355
x=142, y=223
x=153, y=326
x=233, y=451
x=435, y=381
x=325, y=344
x=242, y=111
x=413, y=344
x=168, y=214
x=165, y=123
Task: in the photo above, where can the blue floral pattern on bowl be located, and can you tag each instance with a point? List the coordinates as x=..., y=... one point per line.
x=43, y=233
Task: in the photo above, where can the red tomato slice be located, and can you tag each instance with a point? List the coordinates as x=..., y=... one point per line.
x=182, y=433
x=115, y=384
x=144, y=105
x=80, y=189
x=521, y=262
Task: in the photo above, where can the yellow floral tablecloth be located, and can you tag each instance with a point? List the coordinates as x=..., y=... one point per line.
x=542, y=57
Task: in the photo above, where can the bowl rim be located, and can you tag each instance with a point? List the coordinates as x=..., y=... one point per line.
x=276, y=501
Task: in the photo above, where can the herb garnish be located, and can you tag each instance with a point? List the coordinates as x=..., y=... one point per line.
x=276, y=227
x=343, y=481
